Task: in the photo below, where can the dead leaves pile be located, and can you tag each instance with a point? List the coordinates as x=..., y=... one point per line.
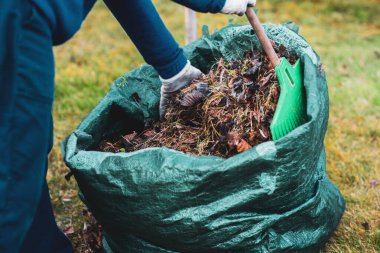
x=225, y=112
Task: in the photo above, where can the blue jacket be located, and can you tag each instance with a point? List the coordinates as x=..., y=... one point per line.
x=65, y=16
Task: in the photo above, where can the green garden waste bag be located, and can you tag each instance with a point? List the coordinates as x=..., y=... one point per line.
x=275, y=197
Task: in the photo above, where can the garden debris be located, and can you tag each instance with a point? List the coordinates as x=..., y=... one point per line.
x=223, y=113
x=88, y=239
x=136, y=97
x=366, y=225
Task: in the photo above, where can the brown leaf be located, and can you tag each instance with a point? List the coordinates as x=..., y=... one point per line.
x=69, y=230
x=252, y=71
x=252, y=136
x=243, y=146
x=221, y=63
x=190, y=141
x=107, y=146
x=127, y=139
x=233, y=140
x=192, y=98
x=275, y=92
x=149, y=133
x=211, y=75
x=266, y=79
x=237, y=80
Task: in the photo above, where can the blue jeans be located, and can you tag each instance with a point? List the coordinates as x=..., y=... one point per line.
x=26, y=131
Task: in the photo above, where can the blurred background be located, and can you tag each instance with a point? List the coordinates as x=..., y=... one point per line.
x=346, y=35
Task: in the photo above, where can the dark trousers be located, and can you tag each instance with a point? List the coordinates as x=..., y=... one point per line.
x=26, y=131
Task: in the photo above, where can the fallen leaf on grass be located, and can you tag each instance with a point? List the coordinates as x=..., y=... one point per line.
x=192, y=99
x=366, y=225
x=69, y=230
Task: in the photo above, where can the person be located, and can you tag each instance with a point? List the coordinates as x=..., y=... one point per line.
x=28, y=31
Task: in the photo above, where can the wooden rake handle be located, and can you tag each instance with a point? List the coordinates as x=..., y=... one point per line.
x=263, y=38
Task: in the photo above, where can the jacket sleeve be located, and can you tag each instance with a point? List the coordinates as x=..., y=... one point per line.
x=148, y=32
x=212, y=6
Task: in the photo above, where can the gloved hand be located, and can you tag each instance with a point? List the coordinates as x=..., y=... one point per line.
x=237, y=6
x=172, y=85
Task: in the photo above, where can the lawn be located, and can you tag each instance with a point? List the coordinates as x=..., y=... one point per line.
x=346, y=34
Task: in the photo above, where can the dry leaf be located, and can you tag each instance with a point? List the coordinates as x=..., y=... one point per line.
x=192, y=98
x=233, y=140
x=243, y=146
x=127, y=139
x=252, y=136
x=149, y=133
x=69, y=230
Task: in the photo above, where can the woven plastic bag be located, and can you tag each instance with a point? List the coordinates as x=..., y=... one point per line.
x=275, y=197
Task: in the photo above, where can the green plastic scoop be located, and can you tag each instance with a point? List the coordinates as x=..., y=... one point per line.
x=291, y=107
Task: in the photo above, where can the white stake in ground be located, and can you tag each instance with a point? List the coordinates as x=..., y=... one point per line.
x=191, y=25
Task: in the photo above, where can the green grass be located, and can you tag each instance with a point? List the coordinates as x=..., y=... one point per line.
x=346, y=34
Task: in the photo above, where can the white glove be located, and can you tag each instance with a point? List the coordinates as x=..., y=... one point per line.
x=172, y=85
x=237, y=6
